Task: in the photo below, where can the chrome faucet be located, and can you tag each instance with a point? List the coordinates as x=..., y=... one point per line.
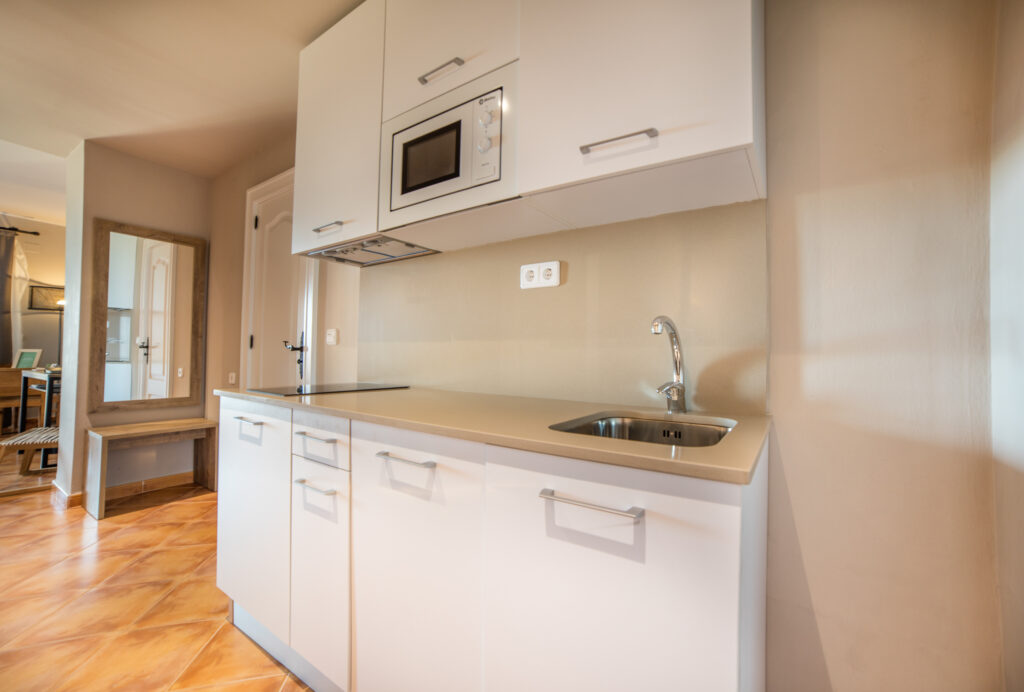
x=674, y=391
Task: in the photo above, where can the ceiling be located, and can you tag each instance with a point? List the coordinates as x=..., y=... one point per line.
x=31, y=184
x=192, y=84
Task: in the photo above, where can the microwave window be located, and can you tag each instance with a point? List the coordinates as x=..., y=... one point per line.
x=432, y=158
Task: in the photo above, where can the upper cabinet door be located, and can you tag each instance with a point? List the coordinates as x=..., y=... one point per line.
x=337, y=148
x=641, y=83
x=433, y=47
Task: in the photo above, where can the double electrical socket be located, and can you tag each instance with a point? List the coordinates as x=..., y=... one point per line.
x=540, y=275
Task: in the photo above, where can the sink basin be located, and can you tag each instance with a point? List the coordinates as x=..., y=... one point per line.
x=684, y=431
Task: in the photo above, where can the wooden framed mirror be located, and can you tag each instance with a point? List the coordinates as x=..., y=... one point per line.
x=147, y=338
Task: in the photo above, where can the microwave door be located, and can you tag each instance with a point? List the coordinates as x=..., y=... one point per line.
x=431, y=159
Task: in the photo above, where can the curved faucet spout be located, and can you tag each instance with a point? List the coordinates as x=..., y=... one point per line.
x=674, y=391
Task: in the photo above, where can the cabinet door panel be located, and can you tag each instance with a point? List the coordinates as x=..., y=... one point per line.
x=320, y=567
x=337, y=148
x=321, y=438
x=416, y=545
x=599, y=602
x=682, y=67
x=253, y=510
x=424, y=36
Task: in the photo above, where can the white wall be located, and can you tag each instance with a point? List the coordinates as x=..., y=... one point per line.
x=881, y=558
x=1007, y=314
x=113, y=185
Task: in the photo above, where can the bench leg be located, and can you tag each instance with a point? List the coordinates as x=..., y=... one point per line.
x=26, y=461
x=204, y=460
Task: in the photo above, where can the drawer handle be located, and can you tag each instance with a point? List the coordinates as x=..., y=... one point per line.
x=425, y=464
x=250, y=421
x=424, y=78
x=306, y=484
x=325, y=440
x=321, y=229
x=633, y=513
x=650, y=132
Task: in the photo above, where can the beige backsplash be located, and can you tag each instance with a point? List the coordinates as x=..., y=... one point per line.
x=460, y=321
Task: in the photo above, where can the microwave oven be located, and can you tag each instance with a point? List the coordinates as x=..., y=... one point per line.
x=452, y=153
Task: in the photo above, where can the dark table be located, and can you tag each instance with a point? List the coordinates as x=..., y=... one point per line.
x=51, y=382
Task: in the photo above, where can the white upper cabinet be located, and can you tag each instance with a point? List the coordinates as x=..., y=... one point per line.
x=433, y=47
x=337, y=148
x=608, y=87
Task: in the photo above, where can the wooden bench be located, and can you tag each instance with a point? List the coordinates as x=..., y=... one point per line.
x=30, y=442
x=103, y=440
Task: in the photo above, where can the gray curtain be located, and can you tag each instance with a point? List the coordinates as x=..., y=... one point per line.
x=6, y=268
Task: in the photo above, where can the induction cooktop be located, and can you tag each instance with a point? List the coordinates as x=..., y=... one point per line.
x=327, y=388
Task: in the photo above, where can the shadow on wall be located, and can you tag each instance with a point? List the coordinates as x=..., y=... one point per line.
x=727, y=379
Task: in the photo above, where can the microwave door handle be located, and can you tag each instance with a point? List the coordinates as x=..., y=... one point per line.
x=424, y=78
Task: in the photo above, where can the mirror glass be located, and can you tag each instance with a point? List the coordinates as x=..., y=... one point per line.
x=149, y=320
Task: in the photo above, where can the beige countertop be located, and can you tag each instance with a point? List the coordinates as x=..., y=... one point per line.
x=522, y=423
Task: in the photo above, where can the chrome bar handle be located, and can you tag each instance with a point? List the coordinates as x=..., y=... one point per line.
x=425, y=464
x=321, y=229
x=306, y=484
x=633, y=513
x=424, y=78
x=325, y=440
x=250, y=421
x=650, y=132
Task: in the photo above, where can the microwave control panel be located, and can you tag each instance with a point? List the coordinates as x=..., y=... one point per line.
x=487, y=137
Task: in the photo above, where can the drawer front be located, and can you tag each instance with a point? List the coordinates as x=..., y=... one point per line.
x=320, y=567
x=321, y=438
x=253, y=509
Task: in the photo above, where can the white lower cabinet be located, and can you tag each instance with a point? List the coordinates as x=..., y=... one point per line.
x=578, y=598
x=417, y=519
x=253, y=510
x=320, y=567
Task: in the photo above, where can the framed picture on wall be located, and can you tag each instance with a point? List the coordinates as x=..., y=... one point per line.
x=27, y=357
x=46, y=298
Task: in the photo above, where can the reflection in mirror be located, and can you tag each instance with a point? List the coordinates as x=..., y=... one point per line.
x=149, y=319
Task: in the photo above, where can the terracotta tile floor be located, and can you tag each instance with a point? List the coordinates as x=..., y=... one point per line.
x=127, y=603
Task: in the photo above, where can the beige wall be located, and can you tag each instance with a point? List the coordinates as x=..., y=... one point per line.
x=881, y=559
x=227, y=261
x=104, y=183
x=1007, y=315
x=460, y=321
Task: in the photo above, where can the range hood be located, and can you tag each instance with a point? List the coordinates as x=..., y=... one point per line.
x=376, y=249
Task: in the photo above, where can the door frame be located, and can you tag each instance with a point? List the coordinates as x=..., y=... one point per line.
x=253, y=196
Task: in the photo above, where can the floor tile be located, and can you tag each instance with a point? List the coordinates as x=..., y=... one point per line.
x=179, y=511
x=293, y=684
x=208, y=569
x=198, y=599
x=10, y=545
x=201, y=495
x=18, y=614
x=137, y=537
x=12, y=574
x=45, y=521
x=81, y=571
x=194, y=533
x=229, y=656
x=68, y=540
x=157, y=655
x=43, y=667
x=211, y=514
x=105, y=609
x=270, y=684
x=169, y=563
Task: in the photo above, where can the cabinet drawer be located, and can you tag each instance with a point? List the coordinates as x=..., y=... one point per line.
x=321, y=438
x=320, y=567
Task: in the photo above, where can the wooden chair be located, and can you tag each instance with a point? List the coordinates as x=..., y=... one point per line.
x=30, y=442
x=10, y=391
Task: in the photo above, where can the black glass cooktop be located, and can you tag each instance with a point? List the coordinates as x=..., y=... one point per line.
x=327, y=388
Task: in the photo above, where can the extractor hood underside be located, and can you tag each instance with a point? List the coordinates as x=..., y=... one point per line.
x=378, y=249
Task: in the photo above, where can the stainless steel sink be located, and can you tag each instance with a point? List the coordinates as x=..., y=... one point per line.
x=684, y=431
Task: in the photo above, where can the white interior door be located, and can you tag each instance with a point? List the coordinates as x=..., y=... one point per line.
x=154, y=343
x=280, y=287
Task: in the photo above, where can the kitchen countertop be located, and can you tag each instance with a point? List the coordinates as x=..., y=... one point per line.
x=522, y=423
